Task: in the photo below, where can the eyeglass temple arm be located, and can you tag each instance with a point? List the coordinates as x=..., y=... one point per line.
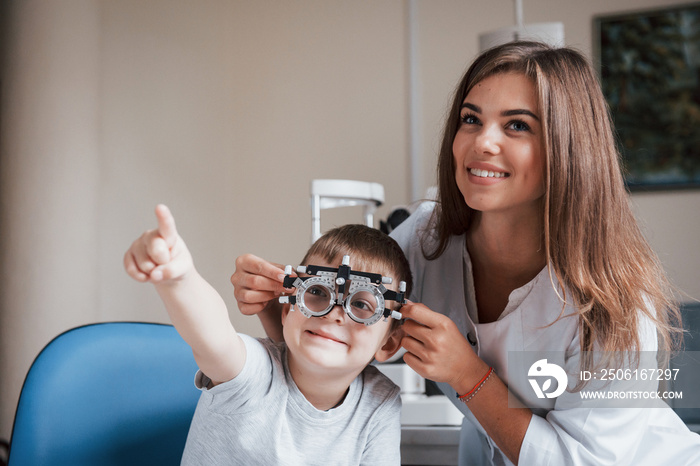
x=291, y=282
x=399, y=297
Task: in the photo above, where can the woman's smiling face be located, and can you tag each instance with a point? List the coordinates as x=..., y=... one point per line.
x=498, y=155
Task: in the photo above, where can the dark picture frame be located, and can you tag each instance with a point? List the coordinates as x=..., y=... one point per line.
x=649, y=64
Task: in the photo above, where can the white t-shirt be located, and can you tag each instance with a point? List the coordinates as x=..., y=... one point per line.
x=261, y=417
x=561, y=432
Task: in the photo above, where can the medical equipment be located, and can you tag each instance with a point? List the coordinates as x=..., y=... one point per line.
x=329, y=194
x=430, y=424
x=366, y=294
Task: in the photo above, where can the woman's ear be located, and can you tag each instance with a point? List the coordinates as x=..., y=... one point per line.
x=391, y=345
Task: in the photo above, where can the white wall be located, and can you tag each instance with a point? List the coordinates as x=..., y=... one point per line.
x=50, y=179
x=225, y=110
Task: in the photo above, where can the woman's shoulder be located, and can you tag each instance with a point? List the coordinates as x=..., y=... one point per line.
x=419, y=218
x=410, y=232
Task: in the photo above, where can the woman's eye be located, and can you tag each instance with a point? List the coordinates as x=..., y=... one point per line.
x=519, y=126
x=469, y=119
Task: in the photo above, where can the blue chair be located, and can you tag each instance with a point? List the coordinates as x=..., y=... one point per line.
x=118, y=393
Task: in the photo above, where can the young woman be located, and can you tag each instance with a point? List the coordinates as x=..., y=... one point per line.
x=531, y=248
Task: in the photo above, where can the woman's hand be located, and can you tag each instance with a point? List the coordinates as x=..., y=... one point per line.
x=436, y=349
x=255, y=283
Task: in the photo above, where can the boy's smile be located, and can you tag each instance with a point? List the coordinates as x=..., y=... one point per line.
x=325, y=335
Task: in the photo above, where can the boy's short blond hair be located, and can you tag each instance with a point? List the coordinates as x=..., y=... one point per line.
x=370, y=251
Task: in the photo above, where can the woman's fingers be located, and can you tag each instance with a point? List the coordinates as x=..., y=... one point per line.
x=435, y=348
x=252, y=297
x=255, y=282
x=420, y=313
x=259, y=267
x=415, y=336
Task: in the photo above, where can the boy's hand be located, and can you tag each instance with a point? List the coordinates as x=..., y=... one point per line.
x=159, y=255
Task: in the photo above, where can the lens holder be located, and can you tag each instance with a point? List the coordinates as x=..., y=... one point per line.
x=316, y=294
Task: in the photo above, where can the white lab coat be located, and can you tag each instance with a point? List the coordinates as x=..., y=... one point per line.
x=563, y=431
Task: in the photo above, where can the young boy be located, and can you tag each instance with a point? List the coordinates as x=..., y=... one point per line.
x=310, y=400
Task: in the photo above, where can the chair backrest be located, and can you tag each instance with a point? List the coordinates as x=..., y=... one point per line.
x=107, y=394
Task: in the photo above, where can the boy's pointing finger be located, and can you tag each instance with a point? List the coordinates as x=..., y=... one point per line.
x=166, y=225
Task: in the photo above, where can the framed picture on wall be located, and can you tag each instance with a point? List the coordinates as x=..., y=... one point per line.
x=650, y=73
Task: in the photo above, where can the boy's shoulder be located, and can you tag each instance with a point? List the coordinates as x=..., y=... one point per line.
x=378, y=386
x=266, y=348
x=264, y=358
x=267, y=343
x=264, y=343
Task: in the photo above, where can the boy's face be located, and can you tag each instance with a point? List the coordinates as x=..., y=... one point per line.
x=334, y=343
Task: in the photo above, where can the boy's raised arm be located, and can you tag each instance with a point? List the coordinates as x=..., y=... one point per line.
x=196, y=310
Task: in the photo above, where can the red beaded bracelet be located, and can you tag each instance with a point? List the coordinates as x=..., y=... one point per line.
x=472, y=393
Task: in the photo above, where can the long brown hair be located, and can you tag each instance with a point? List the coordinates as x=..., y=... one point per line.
x=593, y=244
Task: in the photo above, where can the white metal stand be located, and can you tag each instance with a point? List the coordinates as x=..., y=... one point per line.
x=329, y=194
